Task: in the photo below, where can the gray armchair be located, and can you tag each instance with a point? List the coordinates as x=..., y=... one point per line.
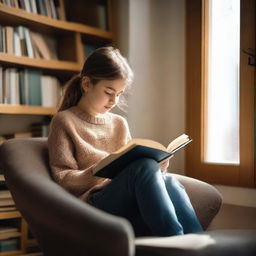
x=66, y=226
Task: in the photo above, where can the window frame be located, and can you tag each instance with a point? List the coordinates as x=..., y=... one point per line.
x=196, y=43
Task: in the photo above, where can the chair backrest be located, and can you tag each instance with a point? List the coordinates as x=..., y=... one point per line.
x=62, y=224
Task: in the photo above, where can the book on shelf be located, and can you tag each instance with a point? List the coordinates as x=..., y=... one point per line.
x=21, y=40
x=110, y=166
x=30, y=50
x=51, y=91
x=9, y=38
x=93, y=13
x=8, y=235
x=7, y=208
x=28, y=87
x=3, y=47
x=7, y=229
x=2, y=178
x=16, y=44
x=1, y=86
x=34, y=91
x=89, y=48
x=5, y=194
x=7, y=202
x=9, y=245
x=44, y=46
x=50, y=8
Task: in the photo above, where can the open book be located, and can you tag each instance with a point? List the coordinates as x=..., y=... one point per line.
x=110, y=166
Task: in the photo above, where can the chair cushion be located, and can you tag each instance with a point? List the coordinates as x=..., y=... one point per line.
x=211, y=243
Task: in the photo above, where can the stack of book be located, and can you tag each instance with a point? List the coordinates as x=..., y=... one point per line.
x=28, y=87
x=20, y=41
x=6, y=201
x=49, y=8
x=9, y=244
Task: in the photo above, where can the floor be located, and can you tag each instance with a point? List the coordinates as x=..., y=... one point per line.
x=234, y=217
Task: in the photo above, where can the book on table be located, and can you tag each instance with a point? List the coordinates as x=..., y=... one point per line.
x=110, y=166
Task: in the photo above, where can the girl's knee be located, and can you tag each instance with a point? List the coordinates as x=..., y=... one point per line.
x=170, y=180
x=145, y=166
x=147, y=163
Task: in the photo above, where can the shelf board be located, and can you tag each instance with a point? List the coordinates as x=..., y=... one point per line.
x=10, y=235
x=8, y=253
x=26, y=110
x=18, y=16
x=32, y=254
x=66, y=66
x=9, y=215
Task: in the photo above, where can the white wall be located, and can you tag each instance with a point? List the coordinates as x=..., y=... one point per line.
x=152, y=35
x=156, y=54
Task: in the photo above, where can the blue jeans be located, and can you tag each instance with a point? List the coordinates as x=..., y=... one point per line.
x=155, y=203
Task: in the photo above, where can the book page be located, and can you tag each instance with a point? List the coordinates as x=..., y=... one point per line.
x=177, y=142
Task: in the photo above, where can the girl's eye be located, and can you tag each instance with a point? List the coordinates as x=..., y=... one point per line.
x=108, y=93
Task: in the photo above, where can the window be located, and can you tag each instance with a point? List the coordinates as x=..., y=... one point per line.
x=220, y=91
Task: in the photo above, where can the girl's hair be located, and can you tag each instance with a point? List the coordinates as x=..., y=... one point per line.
x=105, y=63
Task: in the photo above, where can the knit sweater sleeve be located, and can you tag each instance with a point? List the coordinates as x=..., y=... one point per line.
x=64, y=166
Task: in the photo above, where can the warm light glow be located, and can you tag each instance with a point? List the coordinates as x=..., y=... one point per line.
x=222, y=119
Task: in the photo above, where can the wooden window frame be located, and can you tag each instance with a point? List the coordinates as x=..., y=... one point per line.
x=196, y=42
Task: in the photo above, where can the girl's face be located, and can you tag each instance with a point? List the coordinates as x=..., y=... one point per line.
x=103, y=96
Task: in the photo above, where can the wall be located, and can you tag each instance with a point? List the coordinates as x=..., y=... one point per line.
x=156, y=105
x=152, y=35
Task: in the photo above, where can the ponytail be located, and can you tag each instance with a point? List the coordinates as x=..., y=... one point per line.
x=72, y=93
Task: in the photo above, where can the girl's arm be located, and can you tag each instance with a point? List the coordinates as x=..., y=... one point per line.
x=65, y=169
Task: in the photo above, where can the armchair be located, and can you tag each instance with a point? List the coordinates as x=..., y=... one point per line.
x=66, y=226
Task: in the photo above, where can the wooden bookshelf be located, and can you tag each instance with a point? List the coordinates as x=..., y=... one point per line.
x=23, y=61
x=26, y=110
x=71, y=37
x=9, y=215
x=10, y=15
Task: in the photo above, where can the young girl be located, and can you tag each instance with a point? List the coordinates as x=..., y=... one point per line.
x=83, y=132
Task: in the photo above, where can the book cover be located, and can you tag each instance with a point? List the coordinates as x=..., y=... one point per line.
x=9, y=245
x=110, y=166
x=50, y=91
x=16, y=44
x=34, y=87
x=1, y=86
x=28, y=43
x=46, y=46
x=9, y=39
x=22, y=87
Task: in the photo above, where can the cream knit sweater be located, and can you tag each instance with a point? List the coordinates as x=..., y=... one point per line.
x=77, y=142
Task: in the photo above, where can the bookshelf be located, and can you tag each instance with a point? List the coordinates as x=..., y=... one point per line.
x=74, y=37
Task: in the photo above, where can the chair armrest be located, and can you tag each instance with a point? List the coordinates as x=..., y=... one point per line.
x=63, y=224
x=205, y=198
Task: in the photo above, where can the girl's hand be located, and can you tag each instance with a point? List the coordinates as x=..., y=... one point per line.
x=165, y=163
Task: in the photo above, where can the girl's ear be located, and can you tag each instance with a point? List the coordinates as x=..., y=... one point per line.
x=85, y=83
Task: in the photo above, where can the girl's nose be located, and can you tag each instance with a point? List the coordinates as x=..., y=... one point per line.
x=113, y=100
